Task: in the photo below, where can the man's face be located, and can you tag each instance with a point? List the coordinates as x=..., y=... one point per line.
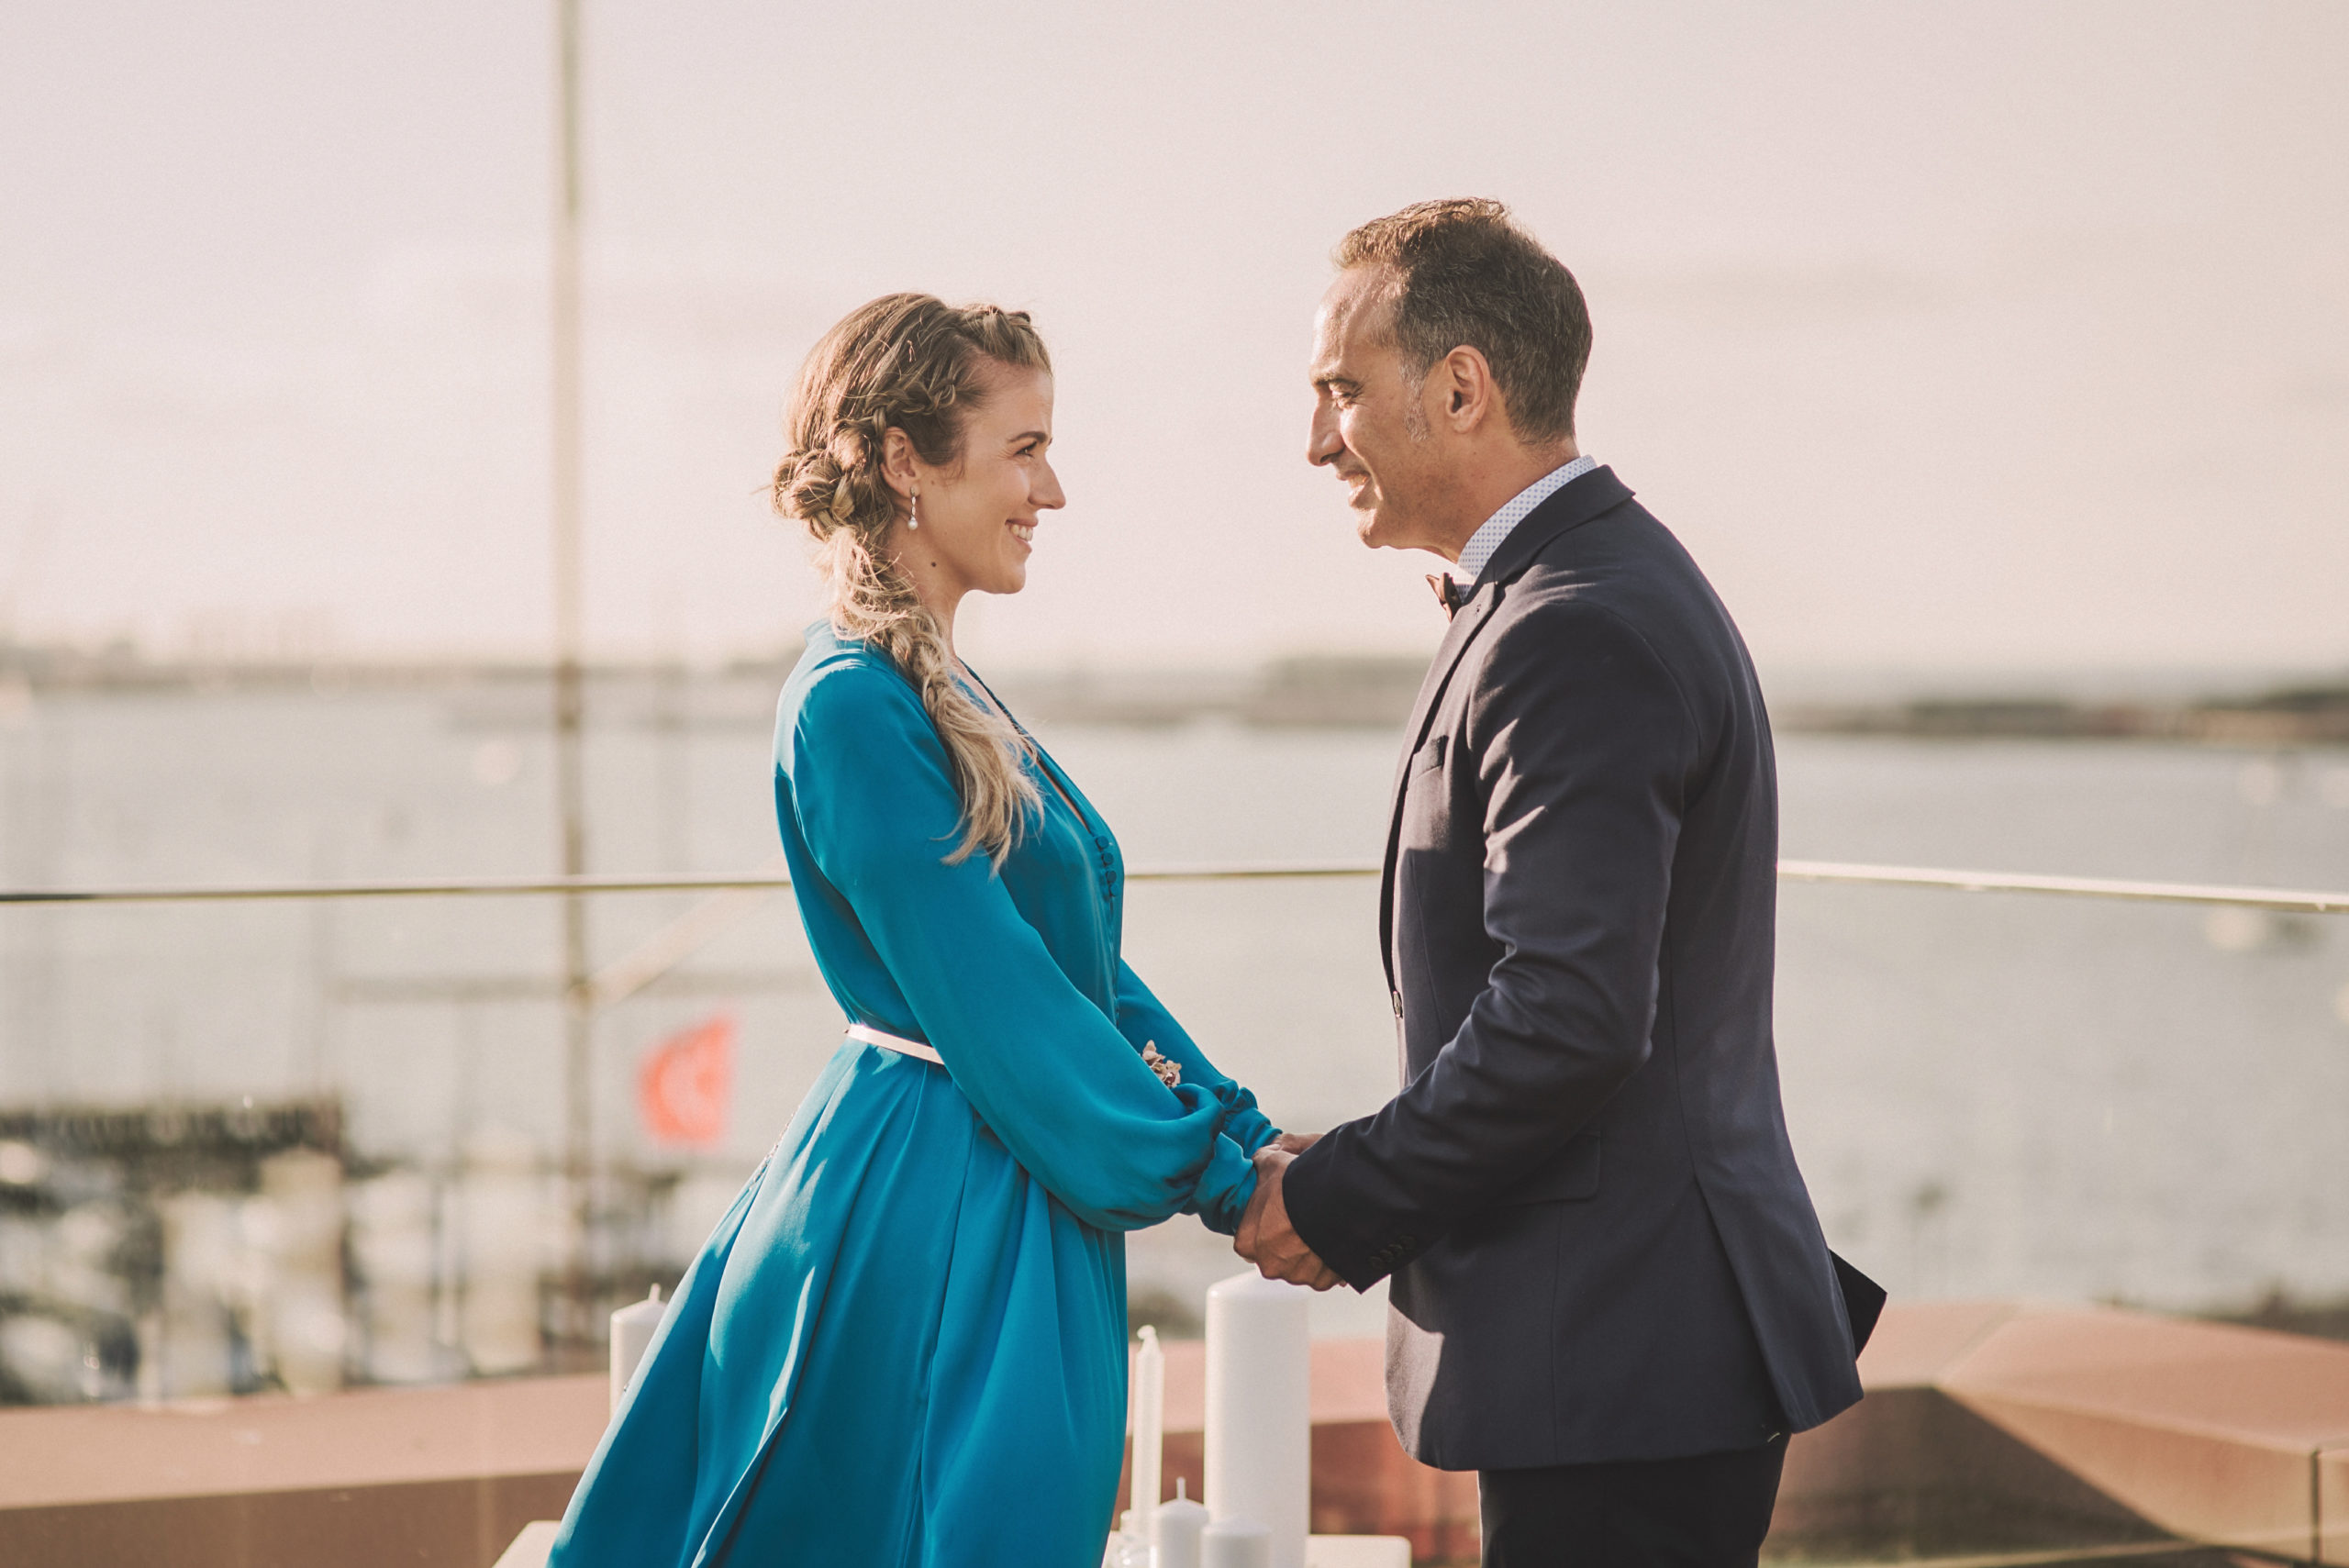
x=1369, y=425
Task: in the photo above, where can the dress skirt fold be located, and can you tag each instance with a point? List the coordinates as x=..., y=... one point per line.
x=894, y=1336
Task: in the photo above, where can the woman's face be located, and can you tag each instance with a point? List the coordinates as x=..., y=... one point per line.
x=978, y=515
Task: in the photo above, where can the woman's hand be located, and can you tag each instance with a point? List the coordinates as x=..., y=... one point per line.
x=1268, y=1240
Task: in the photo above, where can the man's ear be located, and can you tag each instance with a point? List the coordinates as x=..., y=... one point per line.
x=1470, y=396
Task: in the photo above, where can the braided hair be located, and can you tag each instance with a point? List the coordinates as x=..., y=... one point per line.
x=911, y=362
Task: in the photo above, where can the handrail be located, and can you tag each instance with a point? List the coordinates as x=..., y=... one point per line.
x=527, y=886
x=2276, y=900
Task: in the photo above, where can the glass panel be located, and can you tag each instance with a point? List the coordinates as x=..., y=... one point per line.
x=314, y=1145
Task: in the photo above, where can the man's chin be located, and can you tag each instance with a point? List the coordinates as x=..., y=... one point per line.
x=1377, y=530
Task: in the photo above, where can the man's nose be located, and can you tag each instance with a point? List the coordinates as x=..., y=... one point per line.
x=1325, y=443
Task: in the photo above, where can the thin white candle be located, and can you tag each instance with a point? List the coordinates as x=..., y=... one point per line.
x=1260, y=1416
x=1150, y=1426
x=632, y=1329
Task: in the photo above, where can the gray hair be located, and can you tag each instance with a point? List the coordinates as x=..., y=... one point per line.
x=1468, y=276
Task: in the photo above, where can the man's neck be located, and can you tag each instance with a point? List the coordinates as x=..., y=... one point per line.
x=1487, y=485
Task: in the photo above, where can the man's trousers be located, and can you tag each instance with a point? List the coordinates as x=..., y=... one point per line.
x=1708, y=1511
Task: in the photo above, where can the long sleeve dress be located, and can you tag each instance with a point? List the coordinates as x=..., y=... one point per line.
x=905, y=1344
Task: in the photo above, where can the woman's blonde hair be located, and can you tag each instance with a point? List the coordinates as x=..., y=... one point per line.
x=911, y=362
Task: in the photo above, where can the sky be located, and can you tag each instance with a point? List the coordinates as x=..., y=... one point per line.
x=1972, y=338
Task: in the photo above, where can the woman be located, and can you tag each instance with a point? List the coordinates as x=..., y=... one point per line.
x=906, y=1342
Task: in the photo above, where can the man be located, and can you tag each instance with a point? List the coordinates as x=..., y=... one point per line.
x=1610, y=1296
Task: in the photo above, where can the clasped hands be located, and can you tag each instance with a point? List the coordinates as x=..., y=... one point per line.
x=1265, y=1237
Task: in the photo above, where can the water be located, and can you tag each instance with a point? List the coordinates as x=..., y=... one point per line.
x=1989, y=1095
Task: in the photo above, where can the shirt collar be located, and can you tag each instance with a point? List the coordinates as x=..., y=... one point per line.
x=1478, y=551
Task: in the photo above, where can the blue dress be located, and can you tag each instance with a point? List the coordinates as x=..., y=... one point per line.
x=905, y=1344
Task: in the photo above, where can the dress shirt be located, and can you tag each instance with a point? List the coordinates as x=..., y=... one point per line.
x=1487, y=539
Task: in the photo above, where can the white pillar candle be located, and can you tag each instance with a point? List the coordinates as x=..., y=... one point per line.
x=1175, y=1530
x=1236, y=1543
x=1150, y=1426
x=632, y=1329
x=1260, y=1415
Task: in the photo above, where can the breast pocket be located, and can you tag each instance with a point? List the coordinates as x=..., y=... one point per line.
x=1427, y=797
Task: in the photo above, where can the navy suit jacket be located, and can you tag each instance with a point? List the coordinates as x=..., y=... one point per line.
x=1600, y=1246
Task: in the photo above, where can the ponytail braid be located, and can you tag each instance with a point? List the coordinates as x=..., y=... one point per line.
x=906, y=362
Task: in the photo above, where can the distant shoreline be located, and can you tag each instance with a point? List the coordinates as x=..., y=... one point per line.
x=1322, y=691
x=2294, y=716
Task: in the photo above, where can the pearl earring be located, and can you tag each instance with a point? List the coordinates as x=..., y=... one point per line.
x=913, y=508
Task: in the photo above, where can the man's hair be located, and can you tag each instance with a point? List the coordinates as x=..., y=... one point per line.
x=1470, y=277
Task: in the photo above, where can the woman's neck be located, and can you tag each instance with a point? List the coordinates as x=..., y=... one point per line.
x=940, y=596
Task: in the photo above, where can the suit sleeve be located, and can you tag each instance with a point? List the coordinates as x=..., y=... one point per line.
x=1581, y=745
x=1046, y=1069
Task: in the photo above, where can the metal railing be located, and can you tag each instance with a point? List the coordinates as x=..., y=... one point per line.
x=2275, y=900
x=728, y=898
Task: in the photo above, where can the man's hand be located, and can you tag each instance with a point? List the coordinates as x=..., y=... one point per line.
x=1266, y=1238
x=1295, y=1143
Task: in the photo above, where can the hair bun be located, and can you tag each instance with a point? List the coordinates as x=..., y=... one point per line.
x=807, y=486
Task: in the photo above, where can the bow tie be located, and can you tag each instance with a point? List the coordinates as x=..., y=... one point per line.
x=1449, y=594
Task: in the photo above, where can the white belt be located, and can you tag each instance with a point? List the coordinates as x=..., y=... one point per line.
x=871, y=1036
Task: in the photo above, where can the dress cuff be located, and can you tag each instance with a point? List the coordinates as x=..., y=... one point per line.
x=1252, y=1131
x=1243, y=1120
x=1220, y=1197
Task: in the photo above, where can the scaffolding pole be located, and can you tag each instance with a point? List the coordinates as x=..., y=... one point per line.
x=569, y=678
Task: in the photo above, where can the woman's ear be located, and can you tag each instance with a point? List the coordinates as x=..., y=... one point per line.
x=898, y=461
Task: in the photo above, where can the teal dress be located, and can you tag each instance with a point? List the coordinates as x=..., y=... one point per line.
x=905, y=1344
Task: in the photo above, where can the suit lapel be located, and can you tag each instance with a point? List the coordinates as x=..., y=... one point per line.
x=1464, y=626
x=1576, y=503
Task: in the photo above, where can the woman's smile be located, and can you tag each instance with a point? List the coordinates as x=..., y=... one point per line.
x=998, y=485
